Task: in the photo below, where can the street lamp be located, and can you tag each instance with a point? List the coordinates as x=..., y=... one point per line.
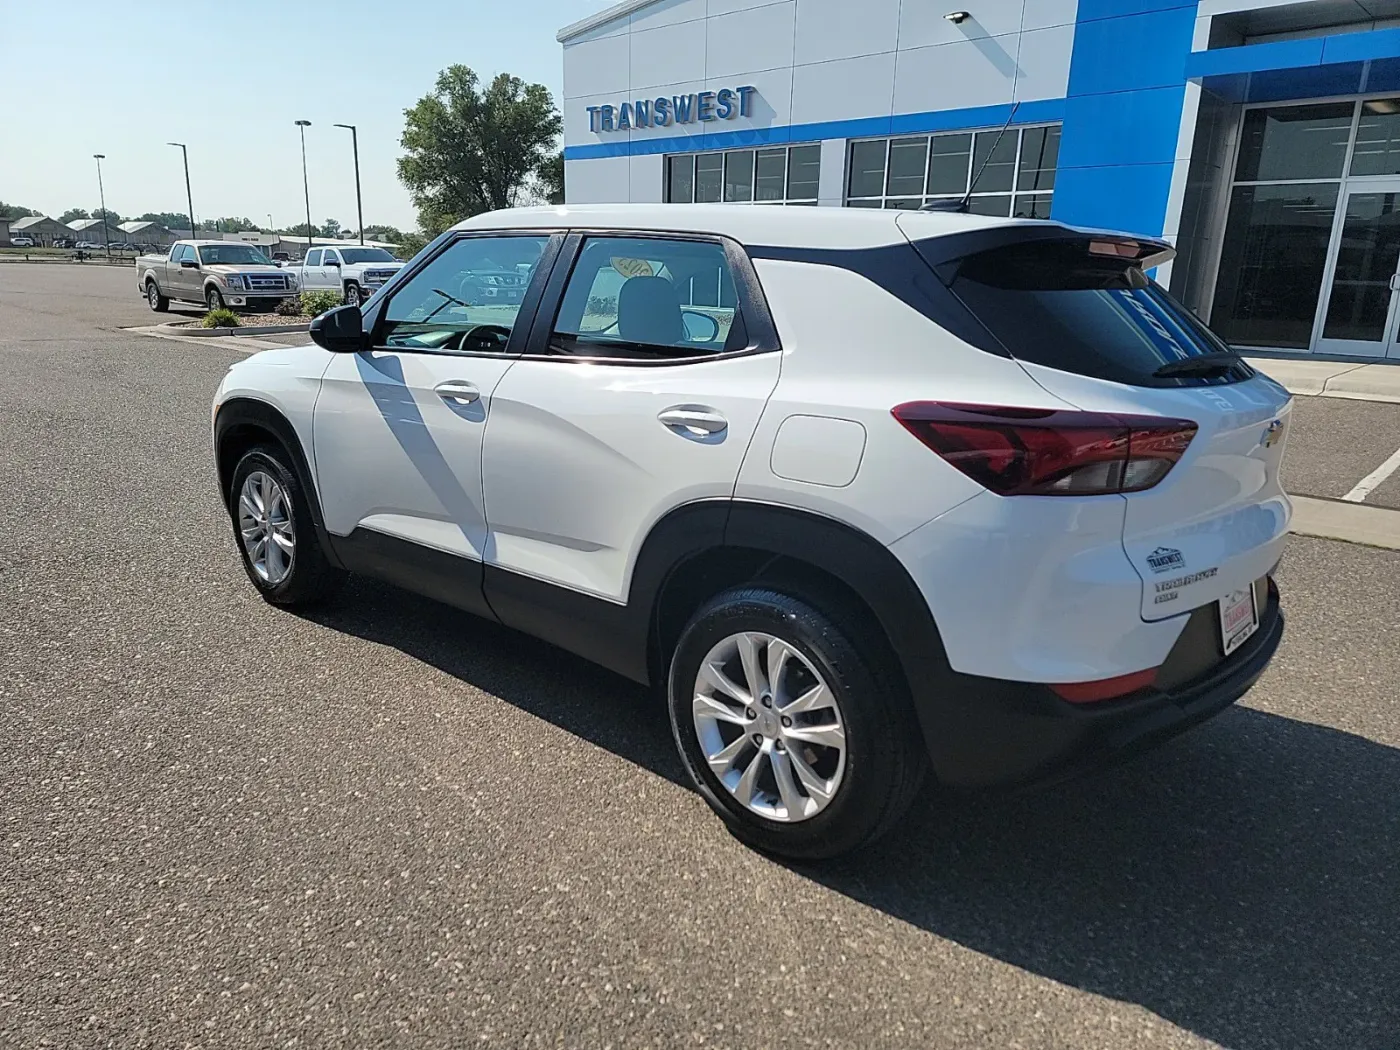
x=189, y=197
x=102, y=196
x=359, y=210
x=305, y=185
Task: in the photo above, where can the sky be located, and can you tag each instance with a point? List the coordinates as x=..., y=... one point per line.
x=71, y=91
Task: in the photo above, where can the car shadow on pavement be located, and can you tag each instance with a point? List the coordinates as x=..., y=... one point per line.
x=1243, y=882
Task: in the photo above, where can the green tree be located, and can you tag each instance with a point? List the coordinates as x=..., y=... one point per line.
x=302, y=230
x=73, y=215
x=549, y=179
x=330, y=228
x=171, y=220
x=389, y=234
x=16, y=211
x=410, y=244
x=471, y=149
x=112, y=217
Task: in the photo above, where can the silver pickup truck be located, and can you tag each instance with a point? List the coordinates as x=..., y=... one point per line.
x=215, y=273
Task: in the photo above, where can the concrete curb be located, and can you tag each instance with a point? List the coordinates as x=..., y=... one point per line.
x=1357, y=380
x=1350, y=522
x=253, y=329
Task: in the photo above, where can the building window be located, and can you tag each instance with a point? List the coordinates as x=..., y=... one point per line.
x=1292, y=174
x=1014, y=171
x=776, y=175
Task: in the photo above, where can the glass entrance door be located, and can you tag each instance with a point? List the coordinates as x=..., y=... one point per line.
x=1361, y=310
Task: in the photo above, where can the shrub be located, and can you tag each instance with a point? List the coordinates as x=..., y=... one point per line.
x=288, y=307
x=221, y=318
x=313, y=304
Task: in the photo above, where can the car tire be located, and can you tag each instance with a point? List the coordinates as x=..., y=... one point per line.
x=268, y=503
x=213, y=298
x=353, y=296
x=844, y=791
x=154, y=299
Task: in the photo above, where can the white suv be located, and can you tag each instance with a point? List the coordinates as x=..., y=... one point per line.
x=873, y=494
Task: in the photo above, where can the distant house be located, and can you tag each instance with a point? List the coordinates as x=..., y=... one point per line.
x=97, y=231
x=4, y=232
x=43, y=230
x=146, y=234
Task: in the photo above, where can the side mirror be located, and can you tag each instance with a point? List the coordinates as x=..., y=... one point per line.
x=340, y=330
x=700, y=328
x=189, y=264
x=333, y=262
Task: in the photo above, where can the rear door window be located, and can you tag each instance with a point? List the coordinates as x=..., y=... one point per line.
x=1077, y=306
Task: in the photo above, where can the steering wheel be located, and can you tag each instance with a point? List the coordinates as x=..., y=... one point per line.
x=487, y=337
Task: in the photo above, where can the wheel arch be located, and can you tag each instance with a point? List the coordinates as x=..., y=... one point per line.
x=816, y=556
x=243, y=423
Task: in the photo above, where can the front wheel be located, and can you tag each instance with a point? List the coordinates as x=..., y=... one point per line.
x=352, y=294
x=275, y=532
x=792, y=724
x=213, y=298
x=157, y=302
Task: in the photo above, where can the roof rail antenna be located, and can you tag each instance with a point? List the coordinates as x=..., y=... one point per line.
x=962, y=206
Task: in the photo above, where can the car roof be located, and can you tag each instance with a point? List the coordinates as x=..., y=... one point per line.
x=750, y=224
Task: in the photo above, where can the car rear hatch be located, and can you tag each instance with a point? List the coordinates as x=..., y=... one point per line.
x=1077, y=311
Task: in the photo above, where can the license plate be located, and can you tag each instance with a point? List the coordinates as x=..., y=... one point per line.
x=1238, y=618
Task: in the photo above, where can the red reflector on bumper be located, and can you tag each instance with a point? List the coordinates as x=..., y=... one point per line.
x=1105, y=688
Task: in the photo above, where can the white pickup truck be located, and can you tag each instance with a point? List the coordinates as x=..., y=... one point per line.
x=355, y=272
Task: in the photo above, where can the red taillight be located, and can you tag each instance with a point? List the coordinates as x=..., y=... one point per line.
x=1105, y=688
x=1047, y=452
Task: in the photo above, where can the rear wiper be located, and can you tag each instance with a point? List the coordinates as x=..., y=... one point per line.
x=1214, y=363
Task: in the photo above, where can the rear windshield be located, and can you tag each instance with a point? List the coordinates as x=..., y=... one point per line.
x=1062, y=305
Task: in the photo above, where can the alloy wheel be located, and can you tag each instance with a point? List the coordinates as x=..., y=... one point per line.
x=770, y=727
x=265, y=525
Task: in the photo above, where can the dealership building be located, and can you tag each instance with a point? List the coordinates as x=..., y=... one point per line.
x=1260, y=137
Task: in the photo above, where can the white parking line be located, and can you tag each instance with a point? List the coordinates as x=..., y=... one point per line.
x=1373, y=480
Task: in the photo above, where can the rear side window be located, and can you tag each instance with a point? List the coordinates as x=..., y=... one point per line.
x=1072, y=305
x=642, y=298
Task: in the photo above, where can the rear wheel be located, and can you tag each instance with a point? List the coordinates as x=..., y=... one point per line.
x=792, y=725
x=158, y=302
x=275, y=532
x=213, y=299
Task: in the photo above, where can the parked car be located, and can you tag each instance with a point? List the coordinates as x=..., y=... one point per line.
x=21, y=241
x=353, y=271
x=215, y=273
x=89, y=246
x=869, y=495
x=63, y=242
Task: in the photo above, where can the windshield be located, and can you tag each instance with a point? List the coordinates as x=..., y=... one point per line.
x=232, y=255
x=366, y=255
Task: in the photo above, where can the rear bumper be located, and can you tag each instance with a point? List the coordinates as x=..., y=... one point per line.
x=986, y=732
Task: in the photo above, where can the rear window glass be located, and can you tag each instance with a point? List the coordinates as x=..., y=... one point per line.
x=1056, y=303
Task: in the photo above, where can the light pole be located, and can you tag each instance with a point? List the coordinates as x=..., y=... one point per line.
x=359, y=209
x=189, y=197
x=102, y=196
x=305, y=184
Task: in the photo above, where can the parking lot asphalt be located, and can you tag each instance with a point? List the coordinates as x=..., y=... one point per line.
x=1335, y=442
x=389, y=824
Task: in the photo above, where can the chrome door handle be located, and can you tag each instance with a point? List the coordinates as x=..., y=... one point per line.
x=1395, y=282
x=693, y=421
x=458, y=390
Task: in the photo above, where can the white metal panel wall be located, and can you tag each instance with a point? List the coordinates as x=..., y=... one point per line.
x=812, y=62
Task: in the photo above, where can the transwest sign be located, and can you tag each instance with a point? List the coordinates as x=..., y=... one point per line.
x=664, y=111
